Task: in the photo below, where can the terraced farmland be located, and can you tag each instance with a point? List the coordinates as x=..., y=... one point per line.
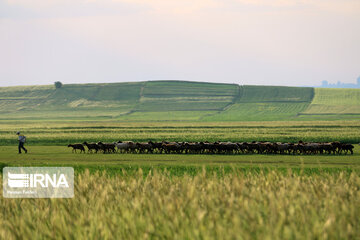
x=257, y=103
x=259, y=111
x=186, y=96
x=335, y=102
x=251, y=94
x=177, y=101
x=85, y=101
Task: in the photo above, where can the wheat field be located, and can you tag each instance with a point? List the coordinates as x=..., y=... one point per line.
x=206, y=206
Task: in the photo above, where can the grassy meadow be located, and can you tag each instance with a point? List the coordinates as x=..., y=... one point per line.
x=179, y=164
x=65, y=132
x=335, y=102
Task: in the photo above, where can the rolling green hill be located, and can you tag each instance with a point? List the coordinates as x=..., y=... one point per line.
x=266, y=103
x=177, y=100
x=334, y=102
x=185, y=96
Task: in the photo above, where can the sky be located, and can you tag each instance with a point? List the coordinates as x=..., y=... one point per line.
x=254, y=42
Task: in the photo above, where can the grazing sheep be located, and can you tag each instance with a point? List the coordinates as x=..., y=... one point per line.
x=304, y=148
x=91, y=147
x=77, y=146
x=126, y=146
x=348, y=147
x=107, y=147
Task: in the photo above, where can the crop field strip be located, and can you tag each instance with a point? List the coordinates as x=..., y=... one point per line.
x=334, y=102
x=180, y=164
x=266, y=103
x=63, y=133
x=182, y=96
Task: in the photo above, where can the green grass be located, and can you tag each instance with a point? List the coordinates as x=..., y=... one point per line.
x=99, y=92
x=167, y=116
x=256, y=94
x=331, y=96
x=160, y=105
x=259, y=111
x=65, y=132
x=177, y=164
x=184, y=88
x=339, y=102
x=265, y=103
x=72, y=101
x=185, y=96
x=26, y=92
x=56, y=135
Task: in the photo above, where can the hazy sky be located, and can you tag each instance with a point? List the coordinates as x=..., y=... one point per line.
x=280, y=42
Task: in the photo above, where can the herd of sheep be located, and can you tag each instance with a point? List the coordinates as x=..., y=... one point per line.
x=215, y=147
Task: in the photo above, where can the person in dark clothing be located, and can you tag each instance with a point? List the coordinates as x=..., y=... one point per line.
x=22, y=140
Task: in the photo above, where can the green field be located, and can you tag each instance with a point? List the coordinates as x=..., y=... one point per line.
x=65, y=132
x=178, y=196
x=184, y=196
x=178, y=164
x=56, y=135
x=177, y=101
x=275, y=111
x=252, y=94
x=334, y=102
x=47, y=142
x=204, y=206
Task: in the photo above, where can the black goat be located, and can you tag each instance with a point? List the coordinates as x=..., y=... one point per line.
x=92, y=146
x=77, y=146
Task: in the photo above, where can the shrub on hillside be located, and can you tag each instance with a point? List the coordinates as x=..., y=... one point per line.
x=58, y=84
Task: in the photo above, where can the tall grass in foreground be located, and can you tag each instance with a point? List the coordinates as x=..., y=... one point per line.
x=159, y=206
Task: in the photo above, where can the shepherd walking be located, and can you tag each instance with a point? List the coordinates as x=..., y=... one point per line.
x=22, y=140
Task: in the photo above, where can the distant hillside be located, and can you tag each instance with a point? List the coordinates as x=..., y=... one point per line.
x=334, y=102
x=266, y=103
x=185, y=96
x=177, y=100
